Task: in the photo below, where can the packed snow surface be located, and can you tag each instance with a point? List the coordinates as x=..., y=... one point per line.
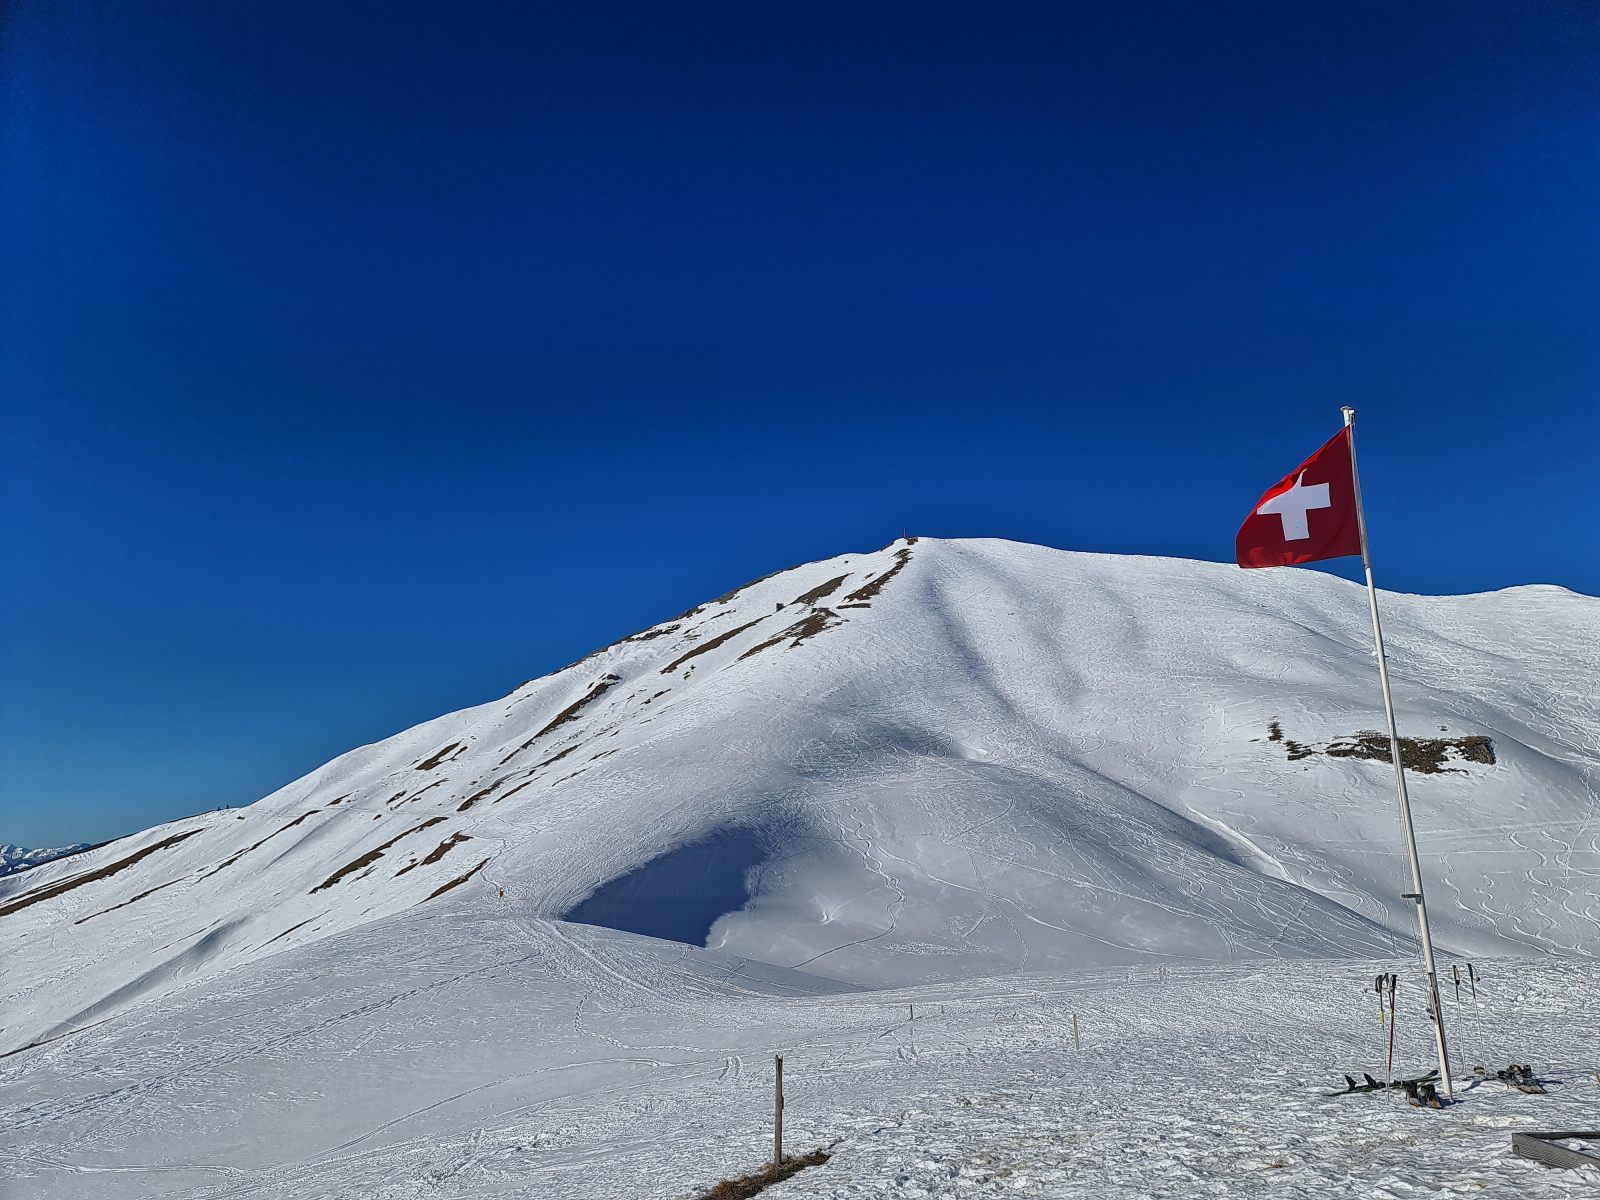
x=1013, y=781
x=477, y=1050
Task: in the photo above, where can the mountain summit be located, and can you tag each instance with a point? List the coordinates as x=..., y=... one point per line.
x=937, y=760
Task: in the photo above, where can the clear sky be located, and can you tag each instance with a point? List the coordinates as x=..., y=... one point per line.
x=361, y=361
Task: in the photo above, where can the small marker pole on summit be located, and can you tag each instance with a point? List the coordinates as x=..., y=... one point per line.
x=1415, y=894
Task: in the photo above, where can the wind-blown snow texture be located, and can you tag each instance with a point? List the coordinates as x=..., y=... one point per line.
x=932, y=764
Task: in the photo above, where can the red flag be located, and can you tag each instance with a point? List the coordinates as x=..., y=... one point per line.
x=1309, y=514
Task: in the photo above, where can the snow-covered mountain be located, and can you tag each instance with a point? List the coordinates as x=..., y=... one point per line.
x=20, y=858
x=940, y=760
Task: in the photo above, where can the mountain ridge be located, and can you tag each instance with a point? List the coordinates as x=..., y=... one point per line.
x=21, y=858
x=950, y=757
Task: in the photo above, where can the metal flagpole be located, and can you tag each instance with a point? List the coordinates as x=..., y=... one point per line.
x=1400, y=774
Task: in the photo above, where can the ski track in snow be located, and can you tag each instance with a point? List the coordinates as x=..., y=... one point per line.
x=1194, y=1079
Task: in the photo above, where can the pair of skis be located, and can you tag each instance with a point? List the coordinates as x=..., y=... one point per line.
x=1519, y=1076
x=1421, y=1090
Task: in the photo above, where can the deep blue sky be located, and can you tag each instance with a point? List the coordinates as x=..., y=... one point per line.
x=363, y=360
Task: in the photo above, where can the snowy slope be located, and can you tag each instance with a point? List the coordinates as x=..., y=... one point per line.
x=474, y=1050
x=20, y=858
x=937, y=761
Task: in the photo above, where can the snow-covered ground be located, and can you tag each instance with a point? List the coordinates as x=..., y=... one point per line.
x=1017, y=781
x=481, y=1051
x=22, y=858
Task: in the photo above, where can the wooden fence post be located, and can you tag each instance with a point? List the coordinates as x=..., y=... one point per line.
x=777, y=1112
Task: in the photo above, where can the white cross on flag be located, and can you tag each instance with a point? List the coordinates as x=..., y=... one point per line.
x=1309, y=514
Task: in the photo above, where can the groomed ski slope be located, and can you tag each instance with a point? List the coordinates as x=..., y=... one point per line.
x=477, y=1051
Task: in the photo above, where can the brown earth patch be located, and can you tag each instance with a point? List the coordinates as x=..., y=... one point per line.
x=289, y=930
x=706, y=647
x=125, y=903
x=570, y=713
x=1425, y=756
x=556, y=757
x=749, y=1185
x=513, y=791
x=821, y=590
x=105, y=872
x=438, y=852
x=283, y=829
x=476, y=796
x=672, y=625
x=651, y=634
x=454, y=883
x=439, y=756
x=600, y=688
x=370, y=857
x=726, y=596
x=871, y=589
x=800, y=631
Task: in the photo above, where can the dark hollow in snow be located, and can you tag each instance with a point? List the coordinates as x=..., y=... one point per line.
x=678, y=895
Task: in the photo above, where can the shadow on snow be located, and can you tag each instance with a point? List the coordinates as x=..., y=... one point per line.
x=678, y=895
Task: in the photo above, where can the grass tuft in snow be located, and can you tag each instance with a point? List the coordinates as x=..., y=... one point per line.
x=749, y=1185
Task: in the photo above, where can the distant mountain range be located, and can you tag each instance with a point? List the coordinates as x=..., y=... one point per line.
x=935, y=761
x=20, y=858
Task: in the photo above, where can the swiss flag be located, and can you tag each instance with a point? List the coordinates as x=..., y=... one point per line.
x=1309, y=514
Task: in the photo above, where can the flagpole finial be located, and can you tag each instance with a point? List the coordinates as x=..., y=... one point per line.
x=1349, y=415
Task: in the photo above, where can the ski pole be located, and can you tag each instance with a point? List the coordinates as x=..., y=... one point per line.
x=1472, y=978
x=1393, y=981
x=1457, y=971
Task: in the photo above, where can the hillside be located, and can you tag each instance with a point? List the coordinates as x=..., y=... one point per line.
x=937, y=761
x=21, y=858
x=474, y=1052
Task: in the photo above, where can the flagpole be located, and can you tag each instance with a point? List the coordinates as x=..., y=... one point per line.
x=1399, y=773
